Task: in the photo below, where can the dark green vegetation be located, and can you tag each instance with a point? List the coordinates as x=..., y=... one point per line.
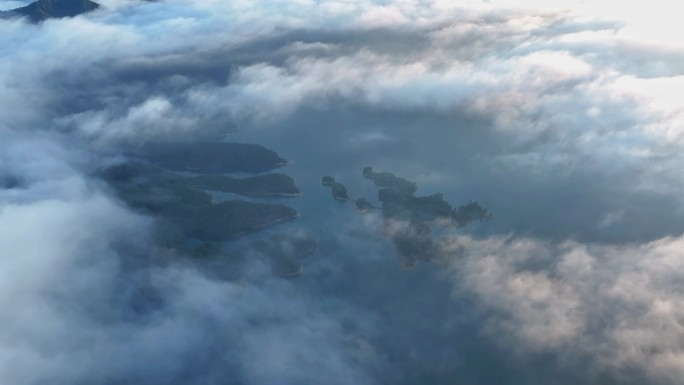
x=273, y=185
x=466, y=214
x=187, y=208
x=411, y=246
x=47, y=9
x=409, y=218
x=187, y=220
x=402, y=206
x=387, y=179
x=339, y=191
x=364, y=205
x=327, y=181
x=211, y=157
x=228, y=220
x=276, y=184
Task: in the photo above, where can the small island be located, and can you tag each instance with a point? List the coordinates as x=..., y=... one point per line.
x=339, y=191
x=327, y=181
x=409, y=218
x=189, y=209
x=387, y=179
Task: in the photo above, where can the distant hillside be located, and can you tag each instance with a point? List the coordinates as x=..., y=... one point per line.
x=46, y=9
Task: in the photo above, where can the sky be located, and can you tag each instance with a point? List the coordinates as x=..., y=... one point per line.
x=564, y=120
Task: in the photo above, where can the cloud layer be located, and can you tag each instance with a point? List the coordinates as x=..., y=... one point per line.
x=567, y=126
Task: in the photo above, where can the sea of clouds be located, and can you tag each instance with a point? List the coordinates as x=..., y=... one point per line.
x=565, y=121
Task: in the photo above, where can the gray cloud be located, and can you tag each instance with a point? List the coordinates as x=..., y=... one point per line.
x=616, y=305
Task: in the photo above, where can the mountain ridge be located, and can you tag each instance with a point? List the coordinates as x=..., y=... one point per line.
x=42, y=10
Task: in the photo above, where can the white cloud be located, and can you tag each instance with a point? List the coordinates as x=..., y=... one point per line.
x=620, y=306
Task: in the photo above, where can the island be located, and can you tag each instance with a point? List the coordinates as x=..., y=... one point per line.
x=189, y=209
x=363, y=205
x=210, y=157
x=339, y=191
x=268, y=185
x=327, y=181
x=408, y=218
x=387, y=179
